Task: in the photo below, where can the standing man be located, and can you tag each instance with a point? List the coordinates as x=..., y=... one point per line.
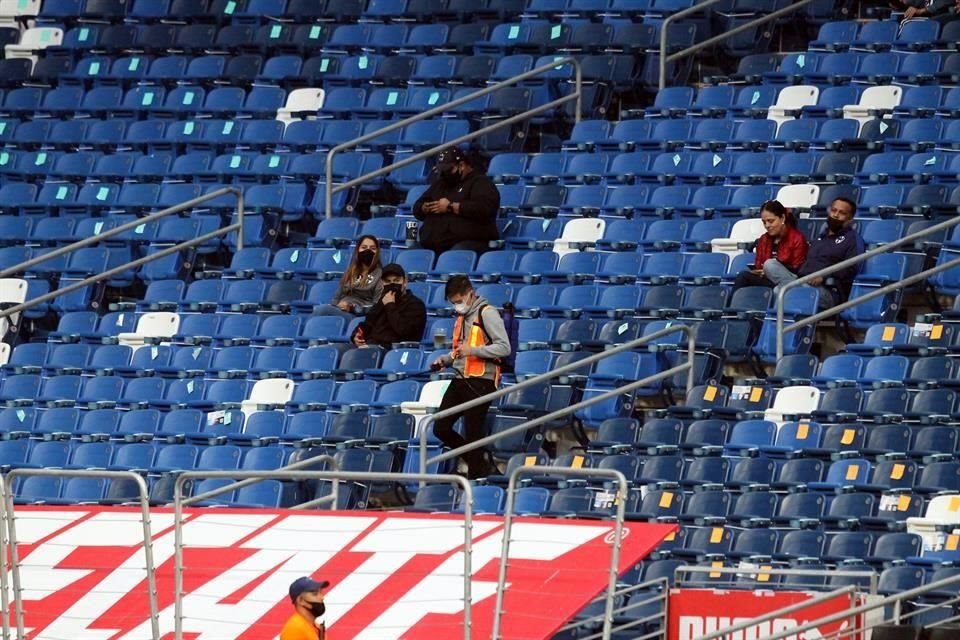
x=838, y=242
x=480, y=342
x=306, y=623
x=399, y=315
x=459, y=210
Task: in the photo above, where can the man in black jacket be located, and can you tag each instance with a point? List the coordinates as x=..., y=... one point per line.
x=459, y=210
x=399, y=316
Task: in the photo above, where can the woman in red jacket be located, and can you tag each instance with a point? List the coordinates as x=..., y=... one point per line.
x=783, y=243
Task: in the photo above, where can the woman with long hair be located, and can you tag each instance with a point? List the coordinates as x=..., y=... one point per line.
x=361, y=286
x=783, y=245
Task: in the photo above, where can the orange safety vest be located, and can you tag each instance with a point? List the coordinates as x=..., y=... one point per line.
x=474, y=367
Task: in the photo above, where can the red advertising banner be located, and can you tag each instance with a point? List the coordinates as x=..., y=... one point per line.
x=393, y=575
x=693, y=613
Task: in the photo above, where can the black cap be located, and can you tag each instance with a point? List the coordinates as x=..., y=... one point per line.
x=305, y=584
x=393, y=269
x=450, y=157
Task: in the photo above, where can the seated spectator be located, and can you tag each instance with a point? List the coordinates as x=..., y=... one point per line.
x=782, y=247
x=940, y=10
x=399, y=315
x=838, y=242
x=361, y=284
x=459, y=210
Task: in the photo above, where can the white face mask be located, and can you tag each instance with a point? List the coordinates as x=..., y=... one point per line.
x=461, y=308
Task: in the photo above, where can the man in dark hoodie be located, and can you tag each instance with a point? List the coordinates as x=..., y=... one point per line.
x=399, y=315
x=480, y=342
x=459, y=210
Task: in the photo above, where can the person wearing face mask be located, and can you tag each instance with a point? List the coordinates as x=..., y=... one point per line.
x=306, y=623
x=838, y=242
x=459, y=209
x=360, y=285
x=782, y=246
x=480, y=342
x=399, y=315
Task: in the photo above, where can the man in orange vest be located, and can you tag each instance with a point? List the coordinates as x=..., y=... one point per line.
x=480, y=342
x=306, y=623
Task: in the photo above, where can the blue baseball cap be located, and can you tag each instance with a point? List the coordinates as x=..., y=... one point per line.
x=304, y=584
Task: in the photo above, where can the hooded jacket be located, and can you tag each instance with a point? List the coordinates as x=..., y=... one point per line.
x=498, y=342
x=479, y=204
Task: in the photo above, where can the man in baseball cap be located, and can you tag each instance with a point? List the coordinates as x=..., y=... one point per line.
x=399, y=315
x=306, y=623
x=459, y=209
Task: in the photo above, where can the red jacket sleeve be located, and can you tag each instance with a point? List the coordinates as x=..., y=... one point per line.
x=793, y=250
x=763, y=250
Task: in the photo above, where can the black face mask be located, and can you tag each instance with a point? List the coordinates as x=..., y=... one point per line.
x=365, y=257
x=396, y=288
x=450, y=177
x=317, y=609
x=834, y=225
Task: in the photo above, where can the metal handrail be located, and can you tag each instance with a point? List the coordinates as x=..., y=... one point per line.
x=577, y=95
x=365, y=476
x=302, y=464
x=709, y=42
x=780, y=613
x=133, y=264
x=83, y=473
x=660, y=594
x=549, y=375
x=795, y=632
x=781, y=291
x=620, y=501
x=846, y=573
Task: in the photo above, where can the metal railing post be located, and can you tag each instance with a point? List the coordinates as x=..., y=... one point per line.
x=430, y=419
x=781, y=291
x=621, y=501
x=4, y=544
x=144, y=499
x=330, y=189
x=367, y=476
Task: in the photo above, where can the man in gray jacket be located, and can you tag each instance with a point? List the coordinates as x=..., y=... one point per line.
x=480, y=342
x=941, y=10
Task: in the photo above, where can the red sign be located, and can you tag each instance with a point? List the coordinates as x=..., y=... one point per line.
x=697, y=612
x=394, y=575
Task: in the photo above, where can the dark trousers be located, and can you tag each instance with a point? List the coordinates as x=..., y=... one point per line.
x=477, y=246
x=474, y=421
x=751, y=279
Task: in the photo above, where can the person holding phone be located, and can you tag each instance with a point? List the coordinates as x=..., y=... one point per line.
x=459, y=209
x=781, y=247
x=480, y=344
x=360, y=286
